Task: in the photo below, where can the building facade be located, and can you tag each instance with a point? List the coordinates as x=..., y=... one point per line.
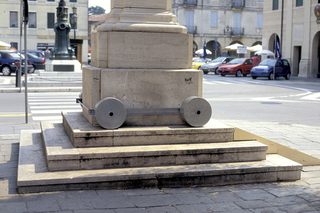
x=220, y=23
x=42, y=16
x=300, y=33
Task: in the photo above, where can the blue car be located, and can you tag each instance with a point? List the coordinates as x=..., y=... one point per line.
x=10, y=63
x=265, y=69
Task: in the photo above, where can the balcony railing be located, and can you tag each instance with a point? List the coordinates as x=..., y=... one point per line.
x=190, y=2
x=191, y=29
x=239, y=3
x=237, y=31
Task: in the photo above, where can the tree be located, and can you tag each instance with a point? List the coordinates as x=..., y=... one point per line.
x=97, y=10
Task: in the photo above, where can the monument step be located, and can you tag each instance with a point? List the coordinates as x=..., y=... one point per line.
x=55, y=74
x=56, y=78
x=33, y=174
x=83, y=134
x=61, y=154
x=54, y=83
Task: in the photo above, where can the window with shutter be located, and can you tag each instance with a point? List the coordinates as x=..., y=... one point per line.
x=237, y=23
x=190, y=20
x=50, y=20
x=275, y=5
x=214, y=19
x=32, y=20
x=14, y=19
x=259, y=20
x=299, y=3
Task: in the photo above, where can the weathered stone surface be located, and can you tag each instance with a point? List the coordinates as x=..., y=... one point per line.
x=149, y=16
x=91, y=93
x=83, y=134
x=150, y=88
x=61, y=155
x=137, y=50
x=33, y=175
x=141, y=89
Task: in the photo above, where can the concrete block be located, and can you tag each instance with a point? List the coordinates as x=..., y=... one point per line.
x=151, y=89
x=83, y=134
x=137, y=50
x=99, y=50
x=91, y=94
x=63, y=66
x=141, y=89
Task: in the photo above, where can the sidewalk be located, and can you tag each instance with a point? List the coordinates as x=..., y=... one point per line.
x=298, y=196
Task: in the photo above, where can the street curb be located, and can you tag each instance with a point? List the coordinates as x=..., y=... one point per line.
x=41, y=89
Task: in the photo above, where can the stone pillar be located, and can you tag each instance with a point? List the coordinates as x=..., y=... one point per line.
x=142, y=57
x=305, y=65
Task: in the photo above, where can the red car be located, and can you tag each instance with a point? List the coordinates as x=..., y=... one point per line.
x=237, y=67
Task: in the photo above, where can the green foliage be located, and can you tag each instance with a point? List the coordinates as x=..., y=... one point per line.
x=97, y=10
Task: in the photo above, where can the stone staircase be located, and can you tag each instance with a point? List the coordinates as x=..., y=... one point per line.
x=75, y=155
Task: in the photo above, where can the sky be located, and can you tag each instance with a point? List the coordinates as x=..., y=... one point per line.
x=102, y=3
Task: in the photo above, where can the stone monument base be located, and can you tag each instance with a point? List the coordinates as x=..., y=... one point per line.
x=143, y=90
x=134, y=50
x=139, y=157
x=63, y=66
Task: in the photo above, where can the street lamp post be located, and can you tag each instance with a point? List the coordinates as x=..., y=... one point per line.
x=74, y=20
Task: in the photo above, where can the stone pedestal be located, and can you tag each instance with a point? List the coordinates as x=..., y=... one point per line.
x=141, y=50
x=145, y=89
x=63, y=66
x=142, y=57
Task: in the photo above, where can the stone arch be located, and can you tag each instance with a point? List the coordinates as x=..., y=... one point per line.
x=211, y=45
x=315, y=56
x=195, y=48
x=234, y=53
x=272, y=41
x=234, y=42
x=254, y=44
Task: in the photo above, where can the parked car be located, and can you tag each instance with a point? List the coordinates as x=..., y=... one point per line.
x=38, y=53
x=10, y=62
x=265, y=69
x=237, y=67
x=197, y=62
x=213, y=65
x=37, y=63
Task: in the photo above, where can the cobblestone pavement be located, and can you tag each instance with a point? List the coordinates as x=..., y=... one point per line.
x=299, y=196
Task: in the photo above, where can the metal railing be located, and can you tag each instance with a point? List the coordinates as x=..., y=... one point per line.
x=191, y=29
x=237, y=31
x=239, y=3
x=190, y=2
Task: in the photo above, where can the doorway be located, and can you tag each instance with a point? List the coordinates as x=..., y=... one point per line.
x=296, y=60
x=315, y=57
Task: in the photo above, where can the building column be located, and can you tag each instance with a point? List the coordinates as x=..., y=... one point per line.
x=305, y=63
x=287, y=35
